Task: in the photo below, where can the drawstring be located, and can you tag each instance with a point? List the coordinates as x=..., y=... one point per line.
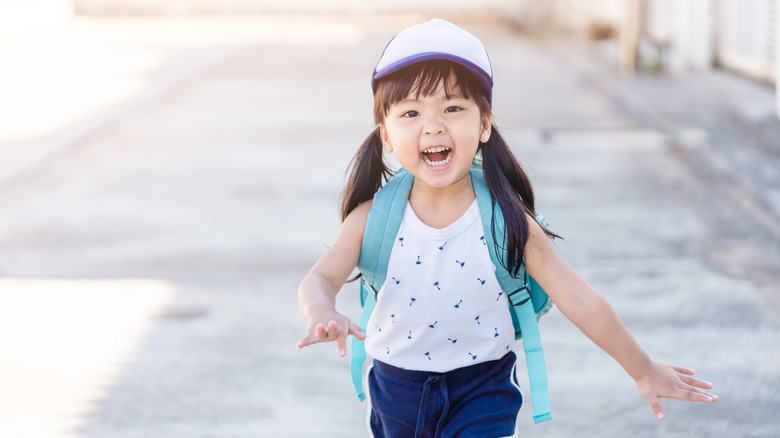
x=445, y=410
x=422, y=414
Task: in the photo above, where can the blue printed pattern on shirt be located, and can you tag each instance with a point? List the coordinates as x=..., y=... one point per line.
x=442, y=307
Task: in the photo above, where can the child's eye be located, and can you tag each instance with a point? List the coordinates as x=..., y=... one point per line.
x=452, y=109
x=411, y=113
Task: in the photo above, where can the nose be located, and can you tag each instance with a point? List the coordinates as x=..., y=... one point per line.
x=433, y=126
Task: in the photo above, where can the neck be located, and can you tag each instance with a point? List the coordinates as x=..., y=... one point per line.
x=438, y=207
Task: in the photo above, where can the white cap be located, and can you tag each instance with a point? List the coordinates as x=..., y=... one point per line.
x=435, y=39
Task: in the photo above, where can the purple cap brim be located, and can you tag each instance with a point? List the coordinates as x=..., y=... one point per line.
x=483, y=77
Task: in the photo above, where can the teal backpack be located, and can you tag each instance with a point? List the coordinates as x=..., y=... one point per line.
x=528, y=300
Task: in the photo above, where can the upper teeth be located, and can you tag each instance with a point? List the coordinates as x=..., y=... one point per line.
x=436, y=149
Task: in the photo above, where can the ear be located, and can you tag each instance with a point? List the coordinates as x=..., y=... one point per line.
x=487, y=127
x=385, y=139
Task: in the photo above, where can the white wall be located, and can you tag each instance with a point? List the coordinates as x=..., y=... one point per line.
x=777, y=61
x=744, y=43
x=691, y=35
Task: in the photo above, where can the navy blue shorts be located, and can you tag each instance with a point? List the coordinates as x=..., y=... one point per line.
x=481, y=400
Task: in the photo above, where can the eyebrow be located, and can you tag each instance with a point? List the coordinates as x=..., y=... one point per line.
x=452, y=97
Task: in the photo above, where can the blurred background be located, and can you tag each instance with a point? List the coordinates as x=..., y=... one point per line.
x=170, y=170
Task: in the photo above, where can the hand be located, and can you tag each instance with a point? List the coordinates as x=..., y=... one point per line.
x=663, y=380
x=337, y=328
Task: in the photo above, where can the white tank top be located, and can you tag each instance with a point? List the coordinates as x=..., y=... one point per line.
x=441, y=307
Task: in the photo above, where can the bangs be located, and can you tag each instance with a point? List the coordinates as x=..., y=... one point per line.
x=424, y=79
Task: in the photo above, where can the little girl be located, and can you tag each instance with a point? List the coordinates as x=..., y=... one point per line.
x=443, y=363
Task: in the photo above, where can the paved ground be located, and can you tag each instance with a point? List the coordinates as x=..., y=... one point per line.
x=165, y=184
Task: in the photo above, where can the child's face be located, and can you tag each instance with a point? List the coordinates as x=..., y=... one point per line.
x=434, y=137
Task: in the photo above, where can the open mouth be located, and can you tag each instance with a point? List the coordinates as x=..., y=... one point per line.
x=437, y=156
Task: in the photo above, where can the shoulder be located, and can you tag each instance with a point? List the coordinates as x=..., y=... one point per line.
x=345, y=250
x=360, y=213
x=355, y=222
x=538, y=247
x=535, y=230
x=343, y=255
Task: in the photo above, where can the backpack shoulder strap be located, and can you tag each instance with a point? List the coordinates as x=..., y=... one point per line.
x=517, y=289
x=384, y=220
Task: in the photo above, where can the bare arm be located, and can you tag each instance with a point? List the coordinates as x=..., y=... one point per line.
x=596, y=318
x=317, y=291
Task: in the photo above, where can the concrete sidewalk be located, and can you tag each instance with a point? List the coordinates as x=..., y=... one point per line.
x=189, y=168
x=722, y=125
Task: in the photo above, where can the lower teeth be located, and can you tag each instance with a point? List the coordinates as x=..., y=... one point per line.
x=438, y=163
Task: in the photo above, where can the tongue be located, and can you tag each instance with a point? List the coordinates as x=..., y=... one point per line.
x=438, y=156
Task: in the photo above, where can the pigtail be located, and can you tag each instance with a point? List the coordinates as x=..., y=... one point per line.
x=512, y=191
x=367, y=172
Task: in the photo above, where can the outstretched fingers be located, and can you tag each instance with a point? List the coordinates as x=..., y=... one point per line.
x=355, y=331
x=306, y=341
x=689, y=387
x=695, y=382
x=690, y=393
x=656, y=406
x=309, y=339
x=664, y=380
x=332, y=331
x=317, y=334
x=343, y=333
x=683, y=370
